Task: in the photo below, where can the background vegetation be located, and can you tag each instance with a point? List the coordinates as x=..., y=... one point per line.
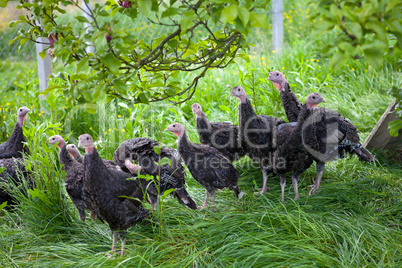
x=354, y=221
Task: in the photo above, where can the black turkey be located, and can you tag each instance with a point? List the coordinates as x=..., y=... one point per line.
x=221, y=135
x=14, y=170
x=142, y=151
x=291, y=155
x=74, y=178
x=73, y=150
x=14, y=146
x=256, y=134
x=335, y=135
x=107, y=188
x=207, y=165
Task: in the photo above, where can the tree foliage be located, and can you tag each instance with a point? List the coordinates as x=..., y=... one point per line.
x=198, y=35
x=370, y=28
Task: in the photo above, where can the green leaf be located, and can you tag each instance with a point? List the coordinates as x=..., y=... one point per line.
x=3, y=205
x=157, y=149
x=145, y=6
x=374, y=57
x=99, y=93
x=355, y=29
x=258, y=20
x=142, y=98
x=225, y=108
x=120, y=86
x=338, y=59
x=165, y=193
x=376, y=27
x=229, y=13
x=394, y=127
x=110, y=61
x=91, y=108
x=82, y=19
x=187, y=20
x=171, y=11
x=244, y=15
x=15, y=39
x=43, y=54
x=122, y=104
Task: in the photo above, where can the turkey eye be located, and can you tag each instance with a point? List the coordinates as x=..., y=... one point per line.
x=87, y=138
x=238, y=89
x=313, y=97
x=174, y=125
x=277, y=74
x=20, y=110
x=199, y=107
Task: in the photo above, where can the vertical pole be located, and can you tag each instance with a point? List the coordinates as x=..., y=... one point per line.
x=44, y=65
x=87, y=10
x=277, y=25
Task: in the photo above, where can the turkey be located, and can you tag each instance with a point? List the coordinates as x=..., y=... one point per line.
x=14, y=146
x=107, y=190
x=142, y=151
x=222, y=136
x=335, y=134
x=74, y=178
x=256, y=134
x=14, y=170
x=207, y=165
x=73, y=150
x=291, y=155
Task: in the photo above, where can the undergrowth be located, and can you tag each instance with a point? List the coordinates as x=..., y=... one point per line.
x=353, y=221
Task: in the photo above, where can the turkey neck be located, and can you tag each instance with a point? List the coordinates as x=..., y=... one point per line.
x=304, y=114
x=17, y=134
x=183, y=145
x=94, y=167
x=246, y=111
x=290, y=103
x=203, y=127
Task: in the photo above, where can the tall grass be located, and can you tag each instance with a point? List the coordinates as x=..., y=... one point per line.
x=353, y=221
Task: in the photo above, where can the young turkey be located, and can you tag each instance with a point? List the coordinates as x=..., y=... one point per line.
x=207, y=165
x=14, y=170
x=73, y=150
x=142, y=151
x=74, y=178
x=14, y=146
x=291, y=154
x=220, y=135
x=106, y=189
x=256, y=133
x=335, y=134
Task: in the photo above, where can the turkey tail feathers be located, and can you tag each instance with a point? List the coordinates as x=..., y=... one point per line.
x=182, y=195
x=363, y=154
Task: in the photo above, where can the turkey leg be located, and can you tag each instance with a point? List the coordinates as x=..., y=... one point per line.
x=283, y=184
x=320, y=172
x=295, y=179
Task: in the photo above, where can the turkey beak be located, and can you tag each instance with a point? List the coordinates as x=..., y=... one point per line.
x=79, y=144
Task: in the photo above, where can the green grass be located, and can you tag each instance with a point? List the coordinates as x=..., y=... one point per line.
x=353, y=221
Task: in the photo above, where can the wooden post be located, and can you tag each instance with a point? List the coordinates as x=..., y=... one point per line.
x=379, y=137
x=44, y=65
x=277, y=25
x=88, y=26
